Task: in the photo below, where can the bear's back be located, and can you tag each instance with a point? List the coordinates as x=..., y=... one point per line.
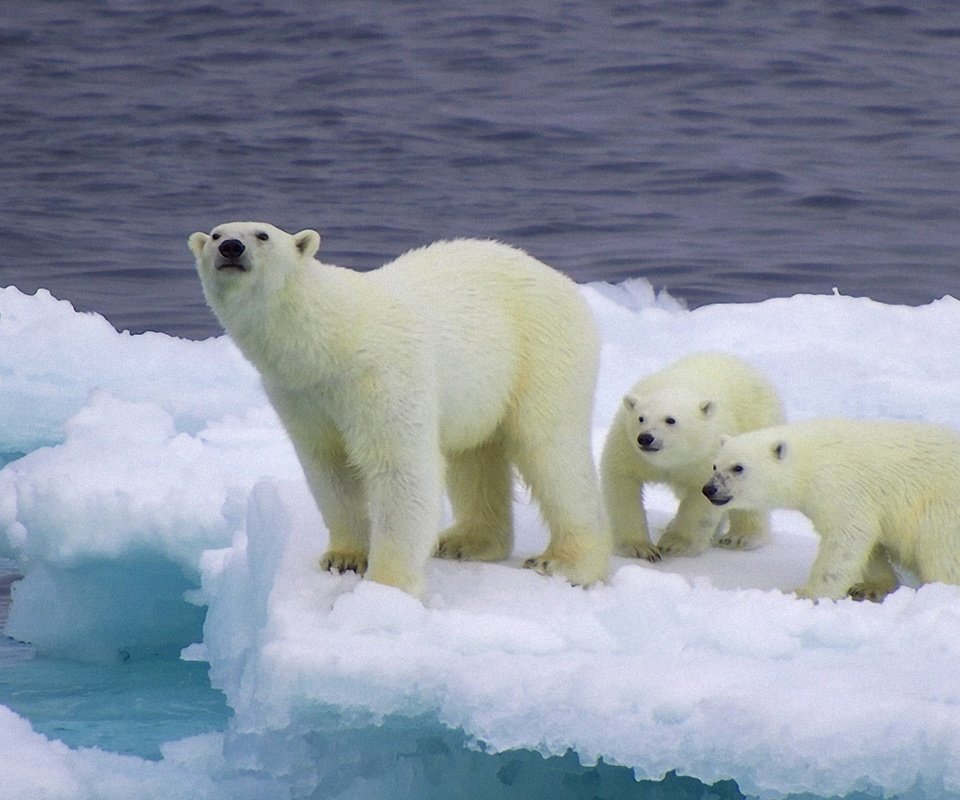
x=492, y=294
x=472, y=265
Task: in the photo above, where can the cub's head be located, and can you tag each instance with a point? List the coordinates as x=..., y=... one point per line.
x=751, y=471
x=245, y=256
x=671, y=428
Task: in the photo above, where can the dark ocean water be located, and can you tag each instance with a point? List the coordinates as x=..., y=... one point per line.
x=726, y=151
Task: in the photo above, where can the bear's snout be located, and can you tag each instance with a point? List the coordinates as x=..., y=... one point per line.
x=712, y=492
x=231, y=248
x=647, y=442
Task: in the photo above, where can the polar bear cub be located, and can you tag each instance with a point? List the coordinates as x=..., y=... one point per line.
x=667, y=430
x=456, y=360
x=874, y=491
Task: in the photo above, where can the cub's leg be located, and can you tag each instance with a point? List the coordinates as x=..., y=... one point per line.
x=623, y=499
x=748, y=530
x=692, y=529
x=879, y=579
x=840, y=563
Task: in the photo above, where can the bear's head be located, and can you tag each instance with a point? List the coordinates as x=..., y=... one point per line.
x=751, y=471
x=242, y=257
x=671, y=428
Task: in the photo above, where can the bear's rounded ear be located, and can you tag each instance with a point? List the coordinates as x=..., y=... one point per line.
x=707, y=407
x=780, y=450
x=197, y=241
x=307, y=242
x=630, y=401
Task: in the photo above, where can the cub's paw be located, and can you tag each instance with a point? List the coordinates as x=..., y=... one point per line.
x=805, y=593
x=869, y=591
x=740, y=541
x=645, y=550
x=671, y=544
x=344, y=561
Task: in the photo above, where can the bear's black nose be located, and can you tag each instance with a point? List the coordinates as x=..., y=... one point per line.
x=645, y=439
x=231, y=248
x=709, y=490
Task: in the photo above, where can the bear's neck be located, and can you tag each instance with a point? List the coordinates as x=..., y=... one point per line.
x=293, y=332
x=795, y=489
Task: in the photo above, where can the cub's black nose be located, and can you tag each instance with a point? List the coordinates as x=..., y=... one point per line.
x=231, y=248
x=709, y=491
x=645, y=439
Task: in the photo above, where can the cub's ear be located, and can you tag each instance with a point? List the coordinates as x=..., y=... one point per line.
x=307, y=242
x=197, y=241
x=780, y=450
x=707, y=407
x=630, y=402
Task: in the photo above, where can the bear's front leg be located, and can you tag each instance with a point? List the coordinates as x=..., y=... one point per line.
x=623, y=499
x=692, y=529
x=404, y=524
x=840, y=563
x=879, y=578
x=342, y=500
x=748, y=530
x=480, y=487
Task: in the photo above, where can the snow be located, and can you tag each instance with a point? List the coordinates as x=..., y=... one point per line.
x=147, y=480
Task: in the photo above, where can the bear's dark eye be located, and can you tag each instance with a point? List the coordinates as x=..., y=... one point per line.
x=215, y=236
x=670, y=421
x=736, y=469
x=640, y=420
x=263, y=236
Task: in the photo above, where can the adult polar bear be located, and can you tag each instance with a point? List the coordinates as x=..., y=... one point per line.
x=465, y=354
x=874, y=490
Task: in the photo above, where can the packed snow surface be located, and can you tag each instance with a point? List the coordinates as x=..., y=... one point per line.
x=143, y=469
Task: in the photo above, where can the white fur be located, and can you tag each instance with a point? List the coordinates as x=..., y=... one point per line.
x=461, y=357
x=874, y=490
x=684, y=408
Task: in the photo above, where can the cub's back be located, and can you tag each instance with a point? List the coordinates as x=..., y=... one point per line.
x=894, y=452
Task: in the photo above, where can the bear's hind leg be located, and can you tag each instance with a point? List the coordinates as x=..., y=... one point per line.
x=480, y=486
x=559, y=471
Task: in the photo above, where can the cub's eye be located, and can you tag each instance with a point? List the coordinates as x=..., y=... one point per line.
x=736, y=469
x=215, y=236
x=263, y=236
x=670, y=421
x=640, y=419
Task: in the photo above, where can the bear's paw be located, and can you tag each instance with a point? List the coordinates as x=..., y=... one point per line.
x=582, y=565
x=873, y=592
x=740, y=541
x=344, y=561
x=466, y=541
x=645, y=550
x=673, y=543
